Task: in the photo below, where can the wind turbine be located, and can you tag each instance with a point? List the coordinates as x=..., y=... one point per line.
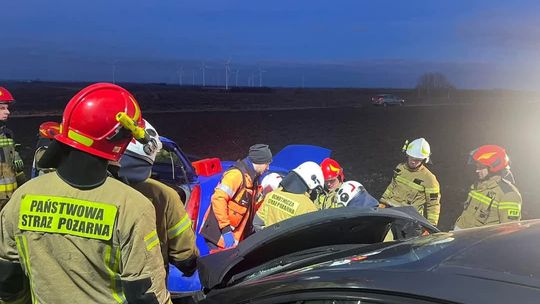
x=114, y=72
x=260, y=76
x=227, y=71
x=237, y=70
x=180, y=72
x=203, y=67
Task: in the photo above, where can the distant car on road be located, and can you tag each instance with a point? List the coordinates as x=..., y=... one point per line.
x=386, y=100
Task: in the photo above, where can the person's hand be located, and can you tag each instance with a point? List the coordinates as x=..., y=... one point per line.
x=18, y=165
x=228, y=239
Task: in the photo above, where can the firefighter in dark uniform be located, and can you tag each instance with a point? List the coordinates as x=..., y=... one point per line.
x=229, y=219
x=413, y=184
x=174, y=227
x=11, y=164
x=292, y=198
x=77, y=235
x=333, y=179
x=494, y=198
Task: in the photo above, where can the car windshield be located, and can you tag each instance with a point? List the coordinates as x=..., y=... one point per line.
x=400, y=253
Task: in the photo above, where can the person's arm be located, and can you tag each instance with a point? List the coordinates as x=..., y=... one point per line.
x=260, y=217
x=14, y=287
x=433, y=202
x=182, y=249
x=225, y=190
x=142, y=273
x=385, y=200
x=509, y=207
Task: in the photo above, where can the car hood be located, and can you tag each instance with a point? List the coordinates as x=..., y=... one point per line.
x=317, y=229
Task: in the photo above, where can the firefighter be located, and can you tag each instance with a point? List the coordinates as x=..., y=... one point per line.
x=77, y=234
x=292, y=198
x=333, y=179
x=174, y=229
x=413, y=184
x=494, y=198
x=353, y=194
x=47, y=131
x=269, y=183
x=11, y=164
x=230, y=217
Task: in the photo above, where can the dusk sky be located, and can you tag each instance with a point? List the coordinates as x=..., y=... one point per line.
x=476, y=44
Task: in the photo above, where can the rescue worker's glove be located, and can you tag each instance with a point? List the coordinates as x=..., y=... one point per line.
x=18, y=164
x=228, y=239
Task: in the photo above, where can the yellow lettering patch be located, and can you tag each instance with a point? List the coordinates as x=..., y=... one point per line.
x=513, y=212
x=53, y=214
x=283, y=203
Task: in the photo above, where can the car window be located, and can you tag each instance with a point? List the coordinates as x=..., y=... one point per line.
x=166, y=157
x=167, y=166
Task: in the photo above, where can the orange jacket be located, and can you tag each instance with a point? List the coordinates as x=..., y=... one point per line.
x=233, y=204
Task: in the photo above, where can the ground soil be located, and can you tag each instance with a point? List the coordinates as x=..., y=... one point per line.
x=366, y=140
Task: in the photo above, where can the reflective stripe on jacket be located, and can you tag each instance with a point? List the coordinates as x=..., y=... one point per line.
x=174, y=230
x=280, y=205
x=492, y=201
x=327, y=200
x=8, y=174
x=418, y=188
x=83, y=246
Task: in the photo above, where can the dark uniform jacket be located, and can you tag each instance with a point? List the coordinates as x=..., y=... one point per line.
x=174, y=227
x=418, y=188
x=81, y=246
x=491, y=201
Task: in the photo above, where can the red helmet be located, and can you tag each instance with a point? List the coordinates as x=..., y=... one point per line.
x=5, y=96
x=492, y=156
x=49, y=129
x=90, y=121
x=331, y=169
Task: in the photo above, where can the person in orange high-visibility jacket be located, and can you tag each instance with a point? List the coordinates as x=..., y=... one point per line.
x=230, y=218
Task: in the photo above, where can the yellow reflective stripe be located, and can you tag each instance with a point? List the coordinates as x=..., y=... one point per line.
x=83, y=140
x=151, y=240
x=4, y=142
x=432, y=190
x=407, y=182
x=509, y=205
x=180, y=227
x=22, y=248
x=53, y=214
x=111, y=264
x=482, y=198
x=8, y=187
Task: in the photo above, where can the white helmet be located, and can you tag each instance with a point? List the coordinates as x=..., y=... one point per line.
x=146, y=151
x=418, y=148
x=348, y=191
x=271, y=182
x=311, y=174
